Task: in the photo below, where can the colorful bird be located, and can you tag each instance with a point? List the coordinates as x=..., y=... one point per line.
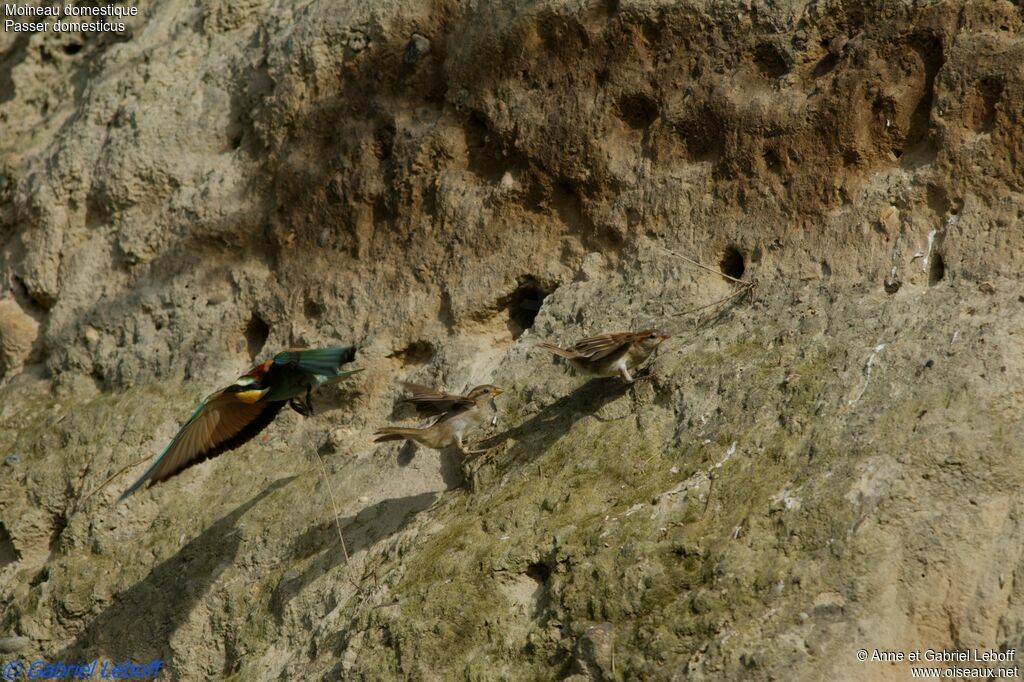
x=457, y=415
x=234, y=415
x=611, y=354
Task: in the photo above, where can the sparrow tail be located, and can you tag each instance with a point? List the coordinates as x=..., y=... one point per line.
x=562, y=352
x=396, y=433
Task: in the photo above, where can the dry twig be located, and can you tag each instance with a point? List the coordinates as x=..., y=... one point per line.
x=747, y=286
x=703, y=267
x=120, y=471
x=334, y=507
x=744, y=285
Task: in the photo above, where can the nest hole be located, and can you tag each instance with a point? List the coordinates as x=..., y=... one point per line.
x=638, y=110
x=539, y=571
x=771, y=61
x=256, y=333
x=825, y=65
x=732, y=264
x=416, y=353
x=8, y=553
x=313, y=310
x=523, y=307
x=59, y=524
x=936, y=270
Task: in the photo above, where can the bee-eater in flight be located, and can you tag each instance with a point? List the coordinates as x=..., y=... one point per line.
x=233, y=415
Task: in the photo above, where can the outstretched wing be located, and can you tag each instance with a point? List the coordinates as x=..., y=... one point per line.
x=432, y=403
x=223, y=422
x=604, y=346
x=325, y=362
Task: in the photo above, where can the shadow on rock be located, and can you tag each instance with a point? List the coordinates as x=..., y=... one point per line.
x=141, y=620
x=450, y=459
x=553, y=421
x=369, y=526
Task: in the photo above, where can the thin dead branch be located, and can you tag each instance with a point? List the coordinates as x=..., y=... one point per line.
x=334, y=508
x=704, y=267
x=117, y=473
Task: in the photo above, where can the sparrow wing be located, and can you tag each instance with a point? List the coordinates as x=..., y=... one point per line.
x=561, y=352
x=430, y=402
x=223, y=422
x=456, y=409
x=604, y=346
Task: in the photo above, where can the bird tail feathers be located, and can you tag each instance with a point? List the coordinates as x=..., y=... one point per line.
x=561, y=352
x=323, y=361
x=344, y=374
x=395, y=433
x=139, y=483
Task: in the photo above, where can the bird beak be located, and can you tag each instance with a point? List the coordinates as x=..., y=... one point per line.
x=496, y=391
x=662, y=336
x=251, y=396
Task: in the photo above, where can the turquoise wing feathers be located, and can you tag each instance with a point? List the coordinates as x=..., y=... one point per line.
x=163, y=455
x=326, y=362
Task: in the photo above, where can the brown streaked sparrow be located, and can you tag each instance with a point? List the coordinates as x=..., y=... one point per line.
x=611, y=354
x=457, y=415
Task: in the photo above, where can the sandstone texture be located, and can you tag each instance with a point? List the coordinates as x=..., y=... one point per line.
x=827, y=461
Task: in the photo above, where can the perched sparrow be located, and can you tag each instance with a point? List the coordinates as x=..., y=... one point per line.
x=610, y=354
x=457, y=415
x=233, y=415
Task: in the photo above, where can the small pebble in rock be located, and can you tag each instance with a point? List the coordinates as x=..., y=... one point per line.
x=14, y=645
x=12, y=459
x=417, y=47
x=357, y=42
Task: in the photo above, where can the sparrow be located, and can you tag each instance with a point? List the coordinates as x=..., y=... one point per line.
x=235, y=414
x=456, y=416
x=611, y=354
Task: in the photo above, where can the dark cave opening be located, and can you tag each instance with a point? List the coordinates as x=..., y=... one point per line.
x=256, y=333
x=732, y=263
x=523, y=306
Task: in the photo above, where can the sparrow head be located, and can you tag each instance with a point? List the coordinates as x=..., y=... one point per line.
x=649, y=339
x=487, y=391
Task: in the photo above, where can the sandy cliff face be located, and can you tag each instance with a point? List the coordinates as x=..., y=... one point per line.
x=829, y=462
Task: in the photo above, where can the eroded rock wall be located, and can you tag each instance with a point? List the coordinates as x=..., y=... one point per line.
x=444, y=185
